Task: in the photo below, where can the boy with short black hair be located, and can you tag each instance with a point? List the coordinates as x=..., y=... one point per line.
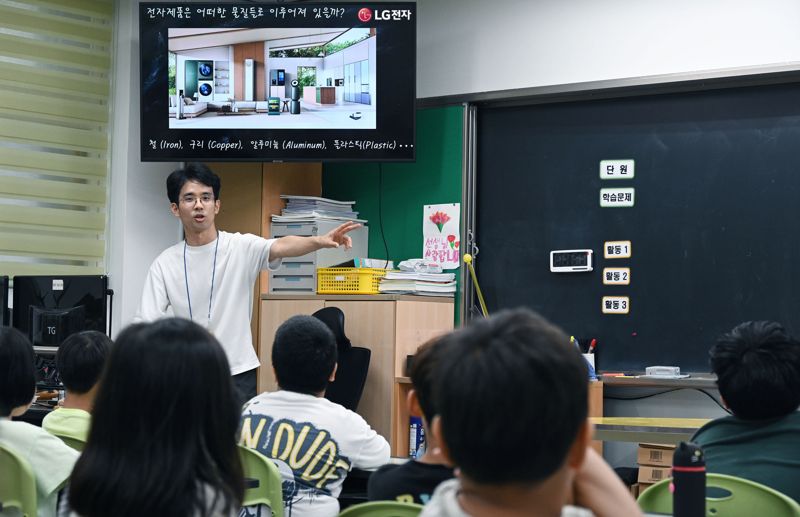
x=80, y=361
x=512, y=397
x=314, y=441
x=415, y=480
x=758, y=374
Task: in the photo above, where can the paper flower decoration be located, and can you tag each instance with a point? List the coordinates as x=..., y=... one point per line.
x=439, y=219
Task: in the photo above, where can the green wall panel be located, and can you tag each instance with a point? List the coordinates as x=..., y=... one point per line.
x=405, y=187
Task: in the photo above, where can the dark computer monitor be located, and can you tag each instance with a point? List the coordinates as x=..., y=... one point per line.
x=49, y=308
x=4, y=314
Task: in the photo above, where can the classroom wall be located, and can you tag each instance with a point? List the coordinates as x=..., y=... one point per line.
x=463, y=46
x=405, y=187
x=434, y=178
x=468, y=46
x=140, y=223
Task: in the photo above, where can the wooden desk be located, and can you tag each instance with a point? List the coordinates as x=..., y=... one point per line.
x=649, y=430
x=400, y=414
x=702, y=381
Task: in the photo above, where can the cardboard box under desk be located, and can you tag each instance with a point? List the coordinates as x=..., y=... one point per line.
x=656, y=454
x=650, y=474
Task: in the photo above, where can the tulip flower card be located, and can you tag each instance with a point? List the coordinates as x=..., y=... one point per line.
x=440, y=234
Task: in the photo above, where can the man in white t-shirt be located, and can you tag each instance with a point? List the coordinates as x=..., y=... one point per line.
x=313, y=441
x=209, y=277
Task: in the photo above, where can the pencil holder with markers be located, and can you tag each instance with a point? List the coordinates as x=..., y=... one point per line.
x=587, y=348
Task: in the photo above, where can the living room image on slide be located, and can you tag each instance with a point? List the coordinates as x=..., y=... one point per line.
x=283, y=78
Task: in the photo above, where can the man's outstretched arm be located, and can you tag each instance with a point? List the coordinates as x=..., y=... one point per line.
x=295, y=246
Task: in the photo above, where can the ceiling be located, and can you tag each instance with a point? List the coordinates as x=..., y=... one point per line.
x=191, y=39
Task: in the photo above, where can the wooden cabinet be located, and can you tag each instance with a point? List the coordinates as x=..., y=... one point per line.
x=391, y=326
x=326, y=95
x=596, y=408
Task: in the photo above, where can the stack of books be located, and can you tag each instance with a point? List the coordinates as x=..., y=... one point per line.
x=309, y=209
x=411, y=282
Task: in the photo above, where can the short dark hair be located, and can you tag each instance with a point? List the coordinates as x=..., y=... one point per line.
x=17, y=374
x=303, y=355
x=758, y=370
x=512, y=395
x=80, y=359
x=193, y=171
x=163, y=435
x=423, y=374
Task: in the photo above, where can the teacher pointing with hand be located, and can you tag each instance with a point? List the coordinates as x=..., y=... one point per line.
x=209, y=276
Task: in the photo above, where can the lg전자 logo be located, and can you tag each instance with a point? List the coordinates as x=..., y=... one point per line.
x=365, y=14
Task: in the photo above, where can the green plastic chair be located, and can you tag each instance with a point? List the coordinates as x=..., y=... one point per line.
x=17, y=483
x=744, y=499
x=73, y=441
x=382, y=509
x=270, y=484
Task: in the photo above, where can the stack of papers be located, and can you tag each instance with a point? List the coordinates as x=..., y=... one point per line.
x=309, y=209
x=410, y=282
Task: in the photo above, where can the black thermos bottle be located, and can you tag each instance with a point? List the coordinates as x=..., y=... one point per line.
x=688, y=481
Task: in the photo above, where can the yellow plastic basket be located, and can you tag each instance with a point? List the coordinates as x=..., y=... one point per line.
x=349, y=280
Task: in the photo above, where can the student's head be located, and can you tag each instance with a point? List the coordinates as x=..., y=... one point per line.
x=17, y=375
x=304, y=355
x=512, y=397
x=423, y=375
x=80, y=360
x=194, y=196
x=163, y=433
x=758, y=370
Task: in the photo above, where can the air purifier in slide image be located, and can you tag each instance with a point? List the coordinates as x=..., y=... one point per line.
x=249, y=79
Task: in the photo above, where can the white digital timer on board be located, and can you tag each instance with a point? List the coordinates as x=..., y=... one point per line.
x=570, y=261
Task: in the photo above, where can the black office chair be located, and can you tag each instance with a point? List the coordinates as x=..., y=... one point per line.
x=351, y=374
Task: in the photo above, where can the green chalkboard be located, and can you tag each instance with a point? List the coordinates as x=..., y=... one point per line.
x=714, y=230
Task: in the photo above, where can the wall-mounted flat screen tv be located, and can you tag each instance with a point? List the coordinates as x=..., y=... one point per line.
x=278, y=82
